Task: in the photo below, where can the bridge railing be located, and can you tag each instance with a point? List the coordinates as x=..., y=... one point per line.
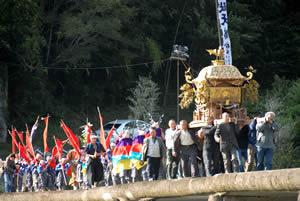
x=260, y=181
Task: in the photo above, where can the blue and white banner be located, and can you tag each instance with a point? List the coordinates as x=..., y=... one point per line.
x=223, y=20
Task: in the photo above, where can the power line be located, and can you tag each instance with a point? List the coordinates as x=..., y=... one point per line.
x=168, y=70
x=95, y=68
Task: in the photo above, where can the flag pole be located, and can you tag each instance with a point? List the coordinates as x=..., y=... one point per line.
x=99, y=114
x=101, y=128
x=218, y=24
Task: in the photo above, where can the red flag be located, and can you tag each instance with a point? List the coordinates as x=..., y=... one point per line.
x=72, y=137
x=102, y=137
x=20, y=134
x=111, y=132
x=45, y=134
x=22, y=148
x=89, y=134
x=19, y=147
x=14, y=140
x=28, y=143
x=54, y=152
x=53, y=163
x=24, y=154
x=59, y=146
x=13, y=137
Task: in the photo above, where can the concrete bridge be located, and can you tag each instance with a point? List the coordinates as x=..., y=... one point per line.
x=273, y=185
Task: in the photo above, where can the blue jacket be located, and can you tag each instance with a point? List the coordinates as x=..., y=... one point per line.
x=66, y=167
x=41, y=168
x=20, y=172
x=252, y=132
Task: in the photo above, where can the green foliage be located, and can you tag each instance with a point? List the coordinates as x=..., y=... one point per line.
x=144, y=98
x=154, y=54
x=283, y=99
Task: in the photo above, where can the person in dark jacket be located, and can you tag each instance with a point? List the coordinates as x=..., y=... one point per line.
x=187, y=143
x=211, y=151
x=225, y=134
x=9, y=169
x=94, y=168
x=153, y=151
x=241, y=152
x=251, y=145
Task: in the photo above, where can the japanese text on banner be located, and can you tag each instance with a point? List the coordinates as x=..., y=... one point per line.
x=223, y=20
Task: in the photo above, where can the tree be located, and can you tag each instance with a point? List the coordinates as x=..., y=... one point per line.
x=283, y=99
x=20, y=46
x=144, y=98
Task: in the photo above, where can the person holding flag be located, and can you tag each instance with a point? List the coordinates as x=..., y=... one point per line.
x=121, y=160
x=18, y=178
x=107, y=162
x=61, y=179
x=139, y=172
x=51, y=175
x=34, y=170
x=28, y=178
x=43, y=175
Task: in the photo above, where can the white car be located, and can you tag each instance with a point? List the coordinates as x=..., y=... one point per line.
x=121, y=125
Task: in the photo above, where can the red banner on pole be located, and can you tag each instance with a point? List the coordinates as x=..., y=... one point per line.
x=45, y=134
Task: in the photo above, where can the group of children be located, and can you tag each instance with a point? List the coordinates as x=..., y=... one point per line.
x=39, y=174
x=49, y=173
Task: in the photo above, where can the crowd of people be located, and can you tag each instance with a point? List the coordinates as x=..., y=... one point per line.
x=223, y=148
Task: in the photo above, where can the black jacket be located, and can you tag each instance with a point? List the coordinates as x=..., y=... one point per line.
x=242, y=138
x=9, y=166
x=227, y=132
x=209, y=137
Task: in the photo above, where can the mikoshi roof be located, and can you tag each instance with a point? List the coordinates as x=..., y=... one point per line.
x=220, y=73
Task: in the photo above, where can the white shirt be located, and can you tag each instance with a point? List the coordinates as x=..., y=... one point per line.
x=153, y=149
x=186, y=138
x=170, y=138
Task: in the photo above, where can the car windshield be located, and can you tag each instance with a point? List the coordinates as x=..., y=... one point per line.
x=109, y=126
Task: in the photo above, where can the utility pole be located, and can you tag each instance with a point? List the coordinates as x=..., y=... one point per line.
x=178, y=59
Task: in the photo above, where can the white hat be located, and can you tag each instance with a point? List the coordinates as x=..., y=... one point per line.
x=93, y=136
x=141, y=132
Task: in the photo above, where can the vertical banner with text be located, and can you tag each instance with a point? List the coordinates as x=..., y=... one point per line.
x=223, y=20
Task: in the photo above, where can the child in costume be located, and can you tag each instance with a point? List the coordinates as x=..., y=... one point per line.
x=85, y=183
x=43, y=175
x=51, y=175
x=18, y=178
x=61, y=178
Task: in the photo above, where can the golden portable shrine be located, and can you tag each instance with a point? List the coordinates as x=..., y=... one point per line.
x=218, y=88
